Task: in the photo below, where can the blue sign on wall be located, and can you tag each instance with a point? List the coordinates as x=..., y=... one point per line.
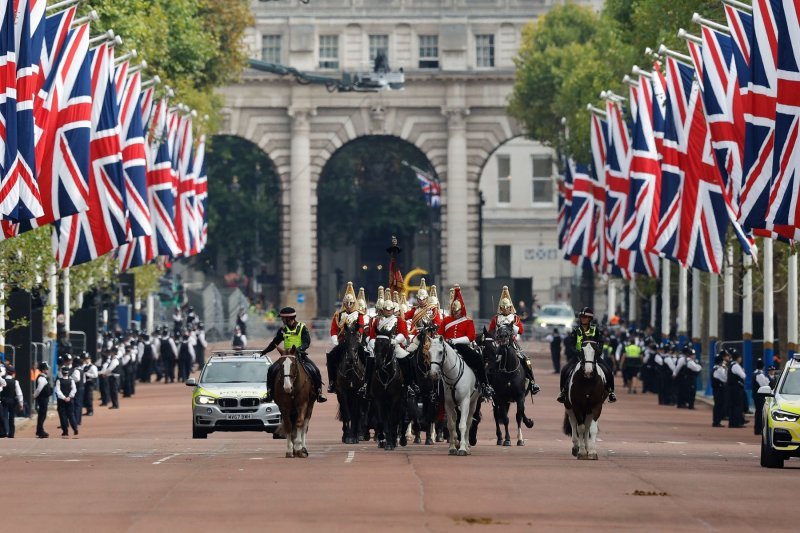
x=301, y=298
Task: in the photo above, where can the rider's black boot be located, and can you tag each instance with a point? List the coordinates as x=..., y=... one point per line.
x=364, y=390
x=562, y=396
x=320, y=396
x=611, y=396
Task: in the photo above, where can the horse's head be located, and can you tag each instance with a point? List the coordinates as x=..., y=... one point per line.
x=504, y=335
x=436, y=356
x=289, y=372
x=590, y=351
x=352, y=337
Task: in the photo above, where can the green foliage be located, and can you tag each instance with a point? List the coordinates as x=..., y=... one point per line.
x=146, y=279
x=358, y=174
x=571, y=54
x=24, y=260
x=193, y=45
x=243, y=200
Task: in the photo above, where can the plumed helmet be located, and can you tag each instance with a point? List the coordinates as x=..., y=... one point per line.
x=457, y=307
x=361, y=301
x=403, y=303
x=388, y=304
x=422, y=292
x=505, y=305
x=379, y=300
x=349, y=298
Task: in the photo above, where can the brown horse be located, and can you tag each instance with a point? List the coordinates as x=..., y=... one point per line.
x=586, y=394
x=295, y=396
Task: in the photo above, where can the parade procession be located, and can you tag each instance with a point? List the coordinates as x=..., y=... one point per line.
x=410, y=264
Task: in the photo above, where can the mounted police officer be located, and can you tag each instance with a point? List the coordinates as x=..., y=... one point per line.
x=348, y=314
x=296, y=339
x=586, y=330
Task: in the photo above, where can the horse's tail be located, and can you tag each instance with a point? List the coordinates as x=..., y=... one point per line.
x=567, y=426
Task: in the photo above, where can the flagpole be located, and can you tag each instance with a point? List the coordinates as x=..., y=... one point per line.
x=633, y=315
x=727, y=297
x=67, y=295
x=3, y=319
x=64, y=3
x=791, y=311
x=52, y=298
x=653, y=305
x=769, y=302
x=697, y=314
x=665, y=297
x=151, y=313
x=683, y=289
x=713, y=325
x=747, y=314
x=612, y=297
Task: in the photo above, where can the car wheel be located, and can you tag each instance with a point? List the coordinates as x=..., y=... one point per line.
x=199, y=433
x=769, y=457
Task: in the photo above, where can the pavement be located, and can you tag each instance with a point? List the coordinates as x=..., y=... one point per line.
x=138, y=469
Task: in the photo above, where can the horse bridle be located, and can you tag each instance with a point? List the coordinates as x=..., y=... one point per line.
x=384, y=365
x=291, y=377
x=461, y=365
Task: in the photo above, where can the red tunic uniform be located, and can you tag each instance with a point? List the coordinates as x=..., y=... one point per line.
x=453, y=328
x=517, y=323
x=376, y=323
x=335, y=331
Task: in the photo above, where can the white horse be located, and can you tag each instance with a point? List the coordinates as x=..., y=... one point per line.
x=584, y=403
x=460, y=392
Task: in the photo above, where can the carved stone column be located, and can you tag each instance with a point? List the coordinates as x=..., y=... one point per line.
x=456, y=259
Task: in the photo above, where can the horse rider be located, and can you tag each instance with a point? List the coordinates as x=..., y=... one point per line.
x=348, y=314
x=296, y=339
x=459, y=331
x=383, y=325
x=507, y=316
x=422, y=301
x=586, y=330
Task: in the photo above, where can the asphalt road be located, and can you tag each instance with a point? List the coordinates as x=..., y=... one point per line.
x=138, y=469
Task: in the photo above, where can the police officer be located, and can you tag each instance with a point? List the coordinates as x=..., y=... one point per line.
x=719, y=383
x=65, y=394
x=41, y=395
x=76, y=373
x=90, y=376
x=555, y=350
x=112, y=374
x=686, y=372
x=239, y=341
x=200, y=346
x=185, y=357
x=11, y=401
x=736, y=396
x=295, y=338
x=670, y=362
x=760, y=379
x=168, y=353
x=631, y=363
x=585, y=330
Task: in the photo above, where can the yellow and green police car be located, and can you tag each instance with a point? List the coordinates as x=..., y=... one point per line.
x=780, y=438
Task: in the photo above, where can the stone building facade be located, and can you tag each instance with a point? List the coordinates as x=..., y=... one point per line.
x=458, y=60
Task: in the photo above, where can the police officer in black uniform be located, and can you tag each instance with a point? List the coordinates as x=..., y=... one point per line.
x=41, y=394
x=76, y=373
x=719, y=383
x=12, y=402
x=296, y=339
x=587, y=329
x=65, y=394
x=736, y=394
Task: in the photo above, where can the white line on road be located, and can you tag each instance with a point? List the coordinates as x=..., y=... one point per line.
x=350, y=456
x=167, y=458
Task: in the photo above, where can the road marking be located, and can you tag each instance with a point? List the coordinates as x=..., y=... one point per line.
x=256, y=458
x=167, y=458
x=675, y=442
x=350, y=456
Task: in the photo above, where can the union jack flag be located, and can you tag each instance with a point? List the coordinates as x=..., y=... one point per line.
x=760, y=121
x=56, y=33
x=430, y=188
x=741, y=26
x=161, y=197
x=201, y=194
x=21, y=36
x=184, y=209
x=64, y=121
x=616, y=175
x=597, y=244
x=103, y=227
x=133, y=150
x=679, y=87
x=565, y=203
x=579, y=236
x=784, y=210
x=146, y=105
x=644, y=179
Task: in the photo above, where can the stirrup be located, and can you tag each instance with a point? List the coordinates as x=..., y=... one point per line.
x=534, y=388
x=561, y=397
x=612, y=397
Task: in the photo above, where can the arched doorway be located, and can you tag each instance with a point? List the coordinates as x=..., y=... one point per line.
x=243, y=247
x=367, y=192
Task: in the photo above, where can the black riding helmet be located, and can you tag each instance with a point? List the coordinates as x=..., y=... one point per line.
x=587, y=312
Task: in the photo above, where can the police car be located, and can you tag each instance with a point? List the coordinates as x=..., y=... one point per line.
x=230, y=395
x=780, y=438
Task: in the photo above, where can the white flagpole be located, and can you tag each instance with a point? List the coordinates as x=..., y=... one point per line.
x=67, y=296
x=612, y=297
x=683, y=290
x=697, y=311
x=713, y=324
x=3, y=317
x=747, y=313
x=665, y=297
x=151, y=313
x=769, y=295
x=727, y=305
x=653, y=304
x=52, y=298
x=791, y=311
x=633, y=314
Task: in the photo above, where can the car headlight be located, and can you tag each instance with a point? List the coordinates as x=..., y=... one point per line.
x=205, y=400
x=783, y=416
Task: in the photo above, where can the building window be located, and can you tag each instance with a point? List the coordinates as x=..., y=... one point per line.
x=377, y=44
x=503, y=179
x=542, y=179
x=428, y=51
x=271, y=48
x=502, y=261
x=484, y=51
x=329, y=52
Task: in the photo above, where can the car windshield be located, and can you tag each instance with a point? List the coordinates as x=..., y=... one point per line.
x=559, y=312
x=235, y=372
x=791, y=385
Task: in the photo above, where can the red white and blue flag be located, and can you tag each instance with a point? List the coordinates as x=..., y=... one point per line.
x=185, y=205
x=565, y=203
x=430, y=189
x=201, y=194
x=579, y=236
x=161, y=197
x=597, y=244
x=103, y=227
x=616, y=176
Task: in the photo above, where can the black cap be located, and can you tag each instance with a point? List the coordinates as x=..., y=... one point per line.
x=759, y=364
x=10, y=370
x=43, y=366
x=288, y=312
x=586, y=311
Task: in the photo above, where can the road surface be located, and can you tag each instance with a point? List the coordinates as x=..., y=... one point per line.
x=137, y=469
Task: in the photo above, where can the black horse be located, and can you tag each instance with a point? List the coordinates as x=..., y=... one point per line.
x=349, y=379
x=387, y=391
x=508, y=380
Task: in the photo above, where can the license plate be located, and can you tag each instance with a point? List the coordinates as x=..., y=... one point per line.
x=239, y=417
